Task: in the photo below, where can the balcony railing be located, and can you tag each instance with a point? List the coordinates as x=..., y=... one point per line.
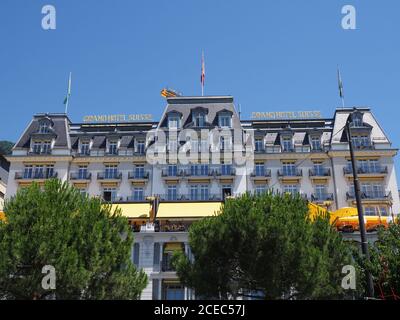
x=140, y=176
x=366, y=170
x=290, y=173
x=199, y=173
x=114, y=175
x=323, y=172
x=261, y=173
x=39, y=152
x=371, y=195
x=166, y=264
x=172, y=173
x=190, y=197
x=80, y=176
x=228, y=171
x=34, y=175
x=322, y=197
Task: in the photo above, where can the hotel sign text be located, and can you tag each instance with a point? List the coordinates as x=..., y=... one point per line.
x=288, y=115
x=118, y=118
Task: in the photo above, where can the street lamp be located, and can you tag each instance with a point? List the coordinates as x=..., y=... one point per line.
x=364, y=242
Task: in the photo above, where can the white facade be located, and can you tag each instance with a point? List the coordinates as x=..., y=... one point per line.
x=309, y=156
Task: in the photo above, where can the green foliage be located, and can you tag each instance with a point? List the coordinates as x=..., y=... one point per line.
x=385, y=262
x=87, y=243
x=5, y=147
x=265, y=244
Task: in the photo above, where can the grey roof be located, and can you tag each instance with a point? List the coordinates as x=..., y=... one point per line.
x=59, y=130
x=213, y=105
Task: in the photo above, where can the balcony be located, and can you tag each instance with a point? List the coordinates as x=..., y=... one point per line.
x=40, y=152
x=109, y=176
x=324, y=172
x=84, y=176
x=321, y=197
x=138, y=177
x=374, y=172
x=371, y=196
x=260, y=175
x=191, y=197
x=29, y=176
x=199, y=175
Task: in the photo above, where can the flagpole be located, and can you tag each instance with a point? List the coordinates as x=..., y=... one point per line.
x=68, y=93
x=340, y=83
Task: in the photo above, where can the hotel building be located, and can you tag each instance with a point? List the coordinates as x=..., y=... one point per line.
x=227, y=157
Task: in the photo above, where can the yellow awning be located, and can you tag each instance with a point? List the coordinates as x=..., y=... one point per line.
x=173, y=246
x=133, y=210
x=188, y=209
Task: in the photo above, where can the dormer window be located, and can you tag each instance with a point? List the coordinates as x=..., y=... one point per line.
x=41, y=147
x=174, y=121
x=357, y=120
x=225, y=120
x=113, y=147
x=44, y=128
x=84, y=148
x=199, y=119
x=316, y=143
x=287, y=144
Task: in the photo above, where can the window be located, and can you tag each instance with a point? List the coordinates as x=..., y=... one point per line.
x=199, y=119
x=140, y=147
x=138, y=194
x=316, y=143
x=113, y=147
x=85, y=148
x=193, y=193
x=226, y=191
x=109, y=194
x=224, y=143
x=49, y=171
x=136, y=253
x=357, y=120
x=360, y=141
x=204, y=192
x=204, y=145
x=259, y=144
x=173, y=292
x=172, y=194
x=370, y=211
x=260, y=169
x=44, y=127
x=369, y=166
x=172, y=170
x=46, y=147
x=174, y=121
x=287, y=144
x=82, y=172
x=199, y=169
x=226, y=169
x=28, y=172
x=260, y=189
x=139, y=171
x=289, y=169
x=39, y=173
x=291, y=188
x=320, y=191
x=318, y=169
x=225, y=120
x=172, y=144
x=83, y=191
x=37, y=146
x=111, y=172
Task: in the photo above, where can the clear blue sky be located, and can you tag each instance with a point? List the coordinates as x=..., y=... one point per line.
x=270, y=55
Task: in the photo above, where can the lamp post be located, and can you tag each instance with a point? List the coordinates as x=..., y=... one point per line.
x=364, y=242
